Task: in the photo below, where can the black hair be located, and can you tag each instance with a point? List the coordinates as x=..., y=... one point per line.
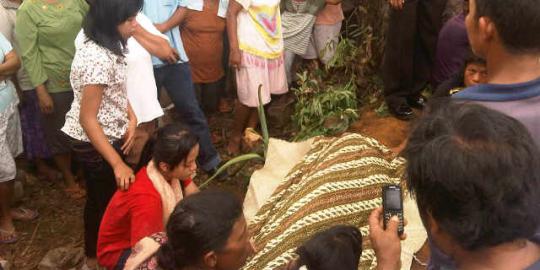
x=171, y=145
x=339, y=247
x=517, y=22
x=102, y=20
x=476, y=171
x=472, y=58
x=457, y=80
x=200, y=223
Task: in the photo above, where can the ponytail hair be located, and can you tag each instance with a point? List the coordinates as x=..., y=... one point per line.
x=200, y=223
x=171, y=145
x=339, y=247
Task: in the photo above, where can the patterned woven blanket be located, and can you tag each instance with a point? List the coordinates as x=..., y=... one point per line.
x=338, y=182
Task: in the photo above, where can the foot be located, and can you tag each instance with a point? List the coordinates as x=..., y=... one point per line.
x=8, y=236
x=402, y=111
x=89, y=264
x=418, y=102
x=75, y=192
x=23, y=214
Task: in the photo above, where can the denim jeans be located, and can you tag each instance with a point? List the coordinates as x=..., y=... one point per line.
x=177, y=81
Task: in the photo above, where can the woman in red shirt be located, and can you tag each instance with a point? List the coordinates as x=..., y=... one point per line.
x=164, y=179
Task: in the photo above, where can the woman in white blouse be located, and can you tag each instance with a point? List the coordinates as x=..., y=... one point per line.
x=101, y=121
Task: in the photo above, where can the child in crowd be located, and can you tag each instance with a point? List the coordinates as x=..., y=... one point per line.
x=339, y=247
x=206, y=231
x=256, y=52
x=101, y=121
x=165, y=178
x=10, y=138
x=474, y=72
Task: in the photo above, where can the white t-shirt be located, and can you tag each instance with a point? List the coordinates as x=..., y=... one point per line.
x=141, y=85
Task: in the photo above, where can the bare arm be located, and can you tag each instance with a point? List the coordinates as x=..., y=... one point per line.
x=90, y=102
x=17, y=87
x=232, y=14
x=191, y=189
x=156, y=45
x=129, y=137
x=10, y=66
x=174, y=21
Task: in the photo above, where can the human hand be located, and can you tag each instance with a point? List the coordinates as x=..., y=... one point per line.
x=129, y=137
x=385, y=243
x=124, y=176
x=397, y=4
x=46, y=104
x=171, y=55
x=234, y=58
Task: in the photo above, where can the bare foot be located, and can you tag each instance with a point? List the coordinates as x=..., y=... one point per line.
x=89, y=264
x=75, y=192
x=8, y=234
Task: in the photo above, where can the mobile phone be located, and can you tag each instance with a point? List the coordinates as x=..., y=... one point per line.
x=393, y=205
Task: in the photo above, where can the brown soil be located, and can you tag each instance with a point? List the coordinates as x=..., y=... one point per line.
x=60, y=223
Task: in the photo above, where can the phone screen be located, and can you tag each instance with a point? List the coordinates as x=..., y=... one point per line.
x=392, y=199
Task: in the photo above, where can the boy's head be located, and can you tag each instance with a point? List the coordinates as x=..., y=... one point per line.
x=475, y=71
x=514, y=24
x=475, y=174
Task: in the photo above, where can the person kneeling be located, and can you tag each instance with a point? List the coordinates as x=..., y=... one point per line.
x=475, y=174
x=164, y=178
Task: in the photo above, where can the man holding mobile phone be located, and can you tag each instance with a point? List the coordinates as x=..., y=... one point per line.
x=475, y=175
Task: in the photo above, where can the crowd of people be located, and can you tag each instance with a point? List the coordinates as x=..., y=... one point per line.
x=80, y=82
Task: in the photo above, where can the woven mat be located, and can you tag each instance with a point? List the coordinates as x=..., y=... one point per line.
x=310, y=186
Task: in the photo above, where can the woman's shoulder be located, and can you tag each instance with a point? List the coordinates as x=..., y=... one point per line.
x=143, y=185
x=91, y=53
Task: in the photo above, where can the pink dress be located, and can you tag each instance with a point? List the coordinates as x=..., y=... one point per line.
x=261, y=44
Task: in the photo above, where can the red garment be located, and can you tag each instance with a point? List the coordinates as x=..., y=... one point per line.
x=130, y=216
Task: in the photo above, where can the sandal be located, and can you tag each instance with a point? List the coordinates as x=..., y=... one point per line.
x=8, y=237
x=23, y=214
x=75, y=192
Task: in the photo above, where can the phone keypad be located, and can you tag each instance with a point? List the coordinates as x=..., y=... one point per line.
x=389, y=215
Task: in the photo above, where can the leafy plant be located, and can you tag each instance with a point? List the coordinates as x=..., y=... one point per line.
x=323, y=109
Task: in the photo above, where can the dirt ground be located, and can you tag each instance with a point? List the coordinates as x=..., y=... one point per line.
x=60, y=223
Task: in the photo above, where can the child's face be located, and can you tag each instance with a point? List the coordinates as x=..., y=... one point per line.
x=475, y=73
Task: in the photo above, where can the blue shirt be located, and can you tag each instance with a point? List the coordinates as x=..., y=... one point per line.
x=520, y=101
x=159, y=11
x=7, y=90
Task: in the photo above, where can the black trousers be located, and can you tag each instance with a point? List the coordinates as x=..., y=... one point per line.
x=100, y=187
x=410, y=48
x=209, y=94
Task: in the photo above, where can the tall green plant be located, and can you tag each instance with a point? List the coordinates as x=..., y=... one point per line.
x=250, y=156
